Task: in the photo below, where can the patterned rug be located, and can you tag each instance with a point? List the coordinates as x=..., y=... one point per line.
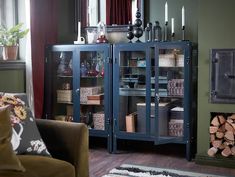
x=126, y=170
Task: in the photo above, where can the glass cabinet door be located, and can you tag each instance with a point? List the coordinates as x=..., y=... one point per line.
x=130, y=83
x=92, y=89
x=170, y=92
x=92, y=82
x=58, y=102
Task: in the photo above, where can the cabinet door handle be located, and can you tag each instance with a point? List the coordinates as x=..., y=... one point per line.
x=77, y=91
x=158, y=98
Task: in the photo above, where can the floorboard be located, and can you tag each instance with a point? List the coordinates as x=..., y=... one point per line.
x=144, y=153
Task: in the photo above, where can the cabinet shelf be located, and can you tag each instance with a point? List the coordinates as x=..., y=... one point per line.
x=65, y=102
x=92, y=77
x=64, y=76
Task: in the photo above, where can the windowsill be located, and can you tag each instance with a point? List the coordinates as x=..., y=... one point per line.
x=12, y=65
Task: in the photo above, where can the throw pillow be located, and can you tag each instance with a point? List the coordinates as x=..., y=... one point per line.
x=26, y=138
x=8, y=159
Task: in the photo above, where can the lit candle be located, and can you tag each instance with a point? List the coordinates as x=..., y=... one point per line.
x=183, y=17
x=166, y=13
x=172, y=25
x=79, y=30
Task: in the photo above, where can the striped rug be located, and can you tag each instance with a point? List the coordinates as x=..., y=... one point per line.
x=127, y=170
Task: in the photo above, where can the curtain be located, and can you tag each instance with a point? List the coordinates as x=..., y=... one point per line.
x=43, y=23
x=118, y=12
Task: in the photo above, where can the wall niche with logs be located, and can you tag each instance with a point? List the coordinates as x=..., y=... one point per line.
x=222, y=134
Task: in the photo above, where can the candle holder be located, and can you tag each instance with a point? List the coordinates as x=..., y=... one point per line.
x=165, y=36
x=183, y=33
x=172, y=36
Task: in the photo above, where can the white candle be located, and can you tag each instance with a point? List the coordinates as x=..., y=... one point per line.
x=166, y=13
x=172, y=25
x=79, y=30
x=183, y=17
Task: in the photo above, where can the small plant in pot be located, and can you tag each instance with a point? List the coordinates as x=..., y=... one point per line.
x=9, y=39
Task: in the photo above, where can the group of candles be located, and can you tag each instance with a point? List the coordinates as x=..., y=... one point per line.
x=173, y=20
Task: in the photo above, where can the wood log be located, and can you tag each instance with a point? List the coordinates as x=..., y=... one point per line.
x=233, y=125
x=212, y=151
x=212, y=137
x=232, y=117
x=229, y=135
x=233, y=150
x=228, y=142
x=222, y=146
x=230, y=121
x=219, y=134
x=228, y=127
x=213, y=129
x=222, y=120
x=215, y=121
x=226, y=152
x=216, y=143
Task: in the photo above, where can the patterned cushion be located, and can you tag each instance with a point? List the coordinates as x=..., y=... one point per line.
x=26, y=138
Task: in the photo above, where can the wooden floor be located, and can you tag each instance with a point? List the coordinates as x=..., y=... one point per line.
x=144, y=153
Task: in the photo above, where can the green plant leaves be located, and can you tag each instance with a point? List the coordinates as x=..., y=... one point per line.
x=10, y=37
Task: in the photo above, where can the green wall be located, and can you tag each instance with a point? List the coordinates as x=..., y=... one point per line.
x=66, y=21
x=155, y=11
x=12, y=81
x=216, y=29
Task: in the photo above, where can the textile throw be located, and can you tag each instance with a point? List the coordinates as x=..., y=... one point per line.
x=126, y=170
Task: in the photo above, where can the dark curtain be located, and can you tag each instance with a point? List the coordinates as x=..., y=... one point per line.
x=118, y=12
x=83, y=13
x=43, y=31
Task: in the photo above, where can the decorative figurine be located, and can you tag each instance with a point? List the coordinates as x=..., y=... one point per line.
x=138, y=31
x=148, y=32
x=157, y=32
x=101, y=32
x=130, y=34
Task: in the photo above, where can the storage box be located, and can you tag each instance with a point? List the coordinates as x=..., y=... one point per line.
x=177, y=113
x=85, y=91
x=176, y=127
x=64, y=96
x=163, y=118
x=130, y=122
x=98, y=119
x=179, y=60
x=166, y=60
x=175, y=87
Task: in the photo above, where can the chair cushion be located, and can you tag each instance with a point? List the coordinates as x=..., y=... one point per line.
x=26, y=138
x=8, y=159
x=42, y=166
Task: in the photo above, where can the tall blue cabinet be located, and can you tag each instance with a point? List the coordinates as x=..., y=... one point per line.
x=153, y=92
x=78, y=87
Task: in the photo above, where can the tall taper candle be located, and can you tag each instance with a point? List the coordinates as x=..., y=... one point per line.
x=183, y=17
x=166, y=13
x=172, y=26
x=79, y=31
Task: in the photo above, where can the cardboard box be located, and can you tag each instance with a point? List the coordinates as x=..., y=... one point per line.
x=131, y=122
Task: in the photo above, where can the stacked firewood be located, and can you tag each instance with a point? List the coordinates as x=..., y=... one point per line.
x=222, y=134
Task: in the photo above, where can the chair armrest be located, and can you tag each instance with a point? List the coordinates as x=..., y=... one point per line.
x=67, y=141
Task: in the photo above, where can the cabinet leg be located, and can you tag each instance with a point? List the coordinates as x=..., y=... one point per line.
x=114, y=144
x=188, y=151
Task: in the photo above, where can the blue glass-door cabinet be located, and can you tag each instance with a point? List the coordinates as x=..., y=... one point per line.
x=78, y=86
x=153, y=93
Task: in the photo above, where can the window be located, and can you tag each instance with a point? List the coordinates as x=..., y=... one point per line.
x=8, y=12
x=7, y=15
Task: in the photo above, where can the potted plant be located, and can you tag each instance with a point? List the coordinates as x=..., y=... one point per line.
x=9, y=39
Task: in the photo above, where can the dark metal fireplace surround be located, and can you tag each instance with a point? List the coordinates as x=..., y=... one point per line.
x=222, y=73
